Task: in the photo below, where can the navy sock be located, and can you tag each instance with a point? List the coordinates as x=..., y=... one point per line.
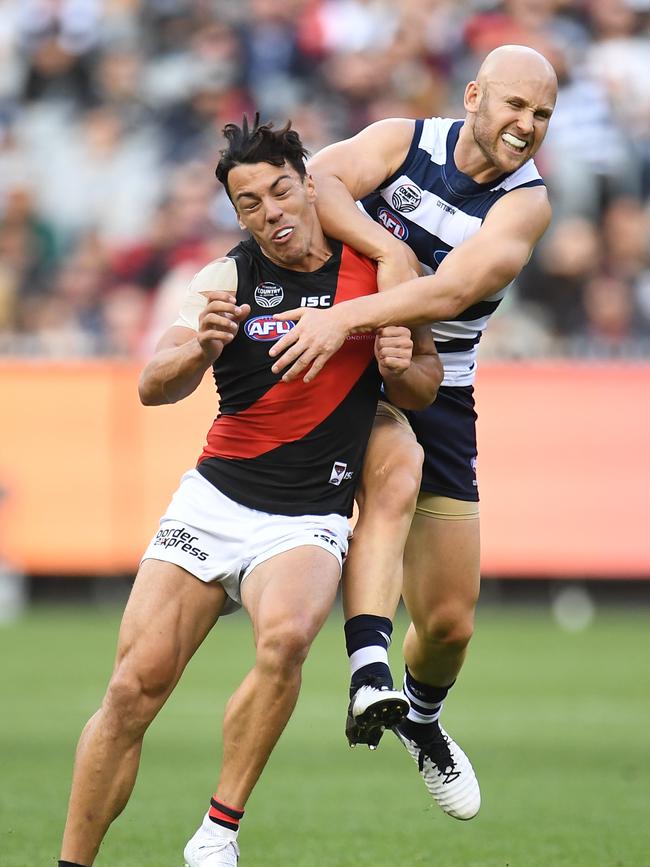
x=367, y=639
x=426, y=703
x=70, y=864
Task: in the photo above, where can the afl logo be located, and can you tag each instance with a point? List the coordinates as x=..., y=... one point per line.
x=406, y=198
x=268, y=294
x=392, y=223
x=266, y=328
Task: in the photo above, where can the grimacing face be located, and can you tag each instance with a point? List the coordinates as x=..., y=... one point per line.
x=276, y=206
x=511, y=121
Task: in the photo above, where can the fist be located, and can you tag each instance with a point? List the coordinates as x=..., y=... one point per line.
x=393, y=350
x=219, y=322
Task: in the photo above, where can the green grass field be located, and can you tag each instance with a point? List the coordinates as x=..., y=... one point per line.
x=556, y=723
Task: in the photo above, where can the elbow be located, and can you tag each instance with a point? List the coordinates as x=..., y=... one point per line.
x=146, y=398
x=425, y=397
x=413, y=399
x=416, y=402
x=421, y=399
x=148, y=394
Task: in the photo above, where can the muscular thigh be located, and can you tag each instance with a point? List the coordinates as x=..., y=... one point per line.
x=441, y=566
x=293, y=590
x=168, y=615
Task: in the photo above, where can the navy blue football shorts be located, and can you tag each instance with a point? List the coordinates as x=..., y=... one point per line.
x=446, y=430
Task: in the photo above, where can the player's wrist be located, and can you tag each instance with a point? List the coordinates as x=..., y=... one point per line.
x=208, y=350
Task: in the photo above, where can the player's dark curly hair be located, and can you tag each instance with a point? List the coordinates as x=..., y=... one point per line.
x=260, y=144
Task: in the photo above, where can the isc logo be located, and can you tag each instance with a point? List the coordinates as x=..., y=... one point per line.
x=266, y=328
x=316, y=301
x=392, y=223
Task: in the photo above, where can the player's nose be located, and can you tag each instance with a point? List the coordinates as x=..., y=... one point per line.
x=525, y=121
x=273, y=212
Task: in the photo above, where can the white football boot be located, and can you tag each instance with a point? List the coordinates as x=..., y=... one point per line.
x=372, y=709
x=212, y=851
x=447, y=773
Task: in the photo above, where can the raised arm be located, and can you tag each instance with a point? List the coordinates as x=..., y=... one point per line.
x=476, y=269
x=183, y=355
x=209, y=319
x=351, y=169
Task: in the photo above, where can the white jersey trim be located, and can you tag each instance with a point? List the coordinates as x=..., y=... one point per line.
x=459, y=367
x=434, y=138
x=524, y=175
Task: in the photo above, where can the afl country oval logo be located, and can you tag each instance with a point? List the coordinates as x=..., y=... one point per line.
x=266, y=328
x=268, y=294
x=392, y=223
x=406, y=198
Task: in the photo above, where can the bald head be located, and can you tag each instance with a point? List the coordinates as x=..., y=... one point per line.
x=509, y=64
x=509, y=106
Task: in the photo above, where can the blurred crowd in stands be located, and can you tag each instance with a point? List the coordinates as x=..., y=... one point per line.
x=110, y=121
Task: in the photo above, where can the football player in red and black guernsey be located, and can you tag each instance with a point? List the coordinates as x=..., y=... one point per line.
x=262, y=520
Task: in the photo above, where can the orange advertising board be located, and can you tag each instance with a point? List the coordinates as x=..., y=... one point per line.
x=563, y=468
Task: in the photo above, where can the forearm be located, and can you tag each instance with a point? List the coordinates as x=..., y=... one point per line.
x=173, y=374
x=415, y=302
x=418, y=386
x=461, y=280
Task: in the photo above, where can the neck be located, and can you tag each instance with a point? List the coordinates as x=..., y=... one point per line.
x=319, y=252
x=471, y=160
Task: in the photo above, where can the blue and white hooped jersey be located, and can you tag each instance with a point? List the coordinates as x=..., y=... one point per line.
x=434, y=207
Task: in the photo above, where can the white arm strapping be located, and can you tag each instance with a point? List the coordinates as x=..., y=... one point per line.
x=219, y=275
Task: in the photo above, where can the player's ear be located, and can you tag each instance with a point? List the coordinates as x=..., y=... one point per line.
x=472, y=96
x=310, y=187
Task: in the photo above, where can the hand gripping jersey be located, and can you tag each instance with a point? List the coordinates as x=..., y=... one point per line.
x=434, y=207
x=287, y=448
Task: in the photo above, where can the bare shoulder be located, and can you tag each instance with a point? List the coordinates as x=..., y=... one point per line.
x=525, y=212
x=390, y=137
x=364, y=161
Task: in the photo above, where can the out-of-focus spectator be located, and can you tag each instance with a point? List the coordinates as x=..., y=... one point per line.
x=58, y=39
x=619, y=57
x=275, y=69
x=586, y=153
x=552, y=286
x=611, y=322
x=98, y=177
x=111, y=114
x=124, y=320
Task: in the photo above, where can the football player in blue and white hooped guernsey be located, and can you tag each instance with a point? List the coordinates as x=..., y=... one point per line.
x=466, y=198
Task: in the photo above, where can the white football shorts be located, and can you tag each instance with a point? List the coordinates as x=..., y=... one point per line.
x=217, y=539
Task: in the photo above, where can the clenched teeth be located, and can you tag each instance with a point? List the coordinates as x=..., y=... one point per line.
x=513, y=140
x=283, y=233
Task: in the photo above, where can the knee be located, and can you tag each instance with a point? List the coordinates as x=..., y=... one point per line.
x=450, y=627
x=397, y=480
x=135, y=696
x=282, y=649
